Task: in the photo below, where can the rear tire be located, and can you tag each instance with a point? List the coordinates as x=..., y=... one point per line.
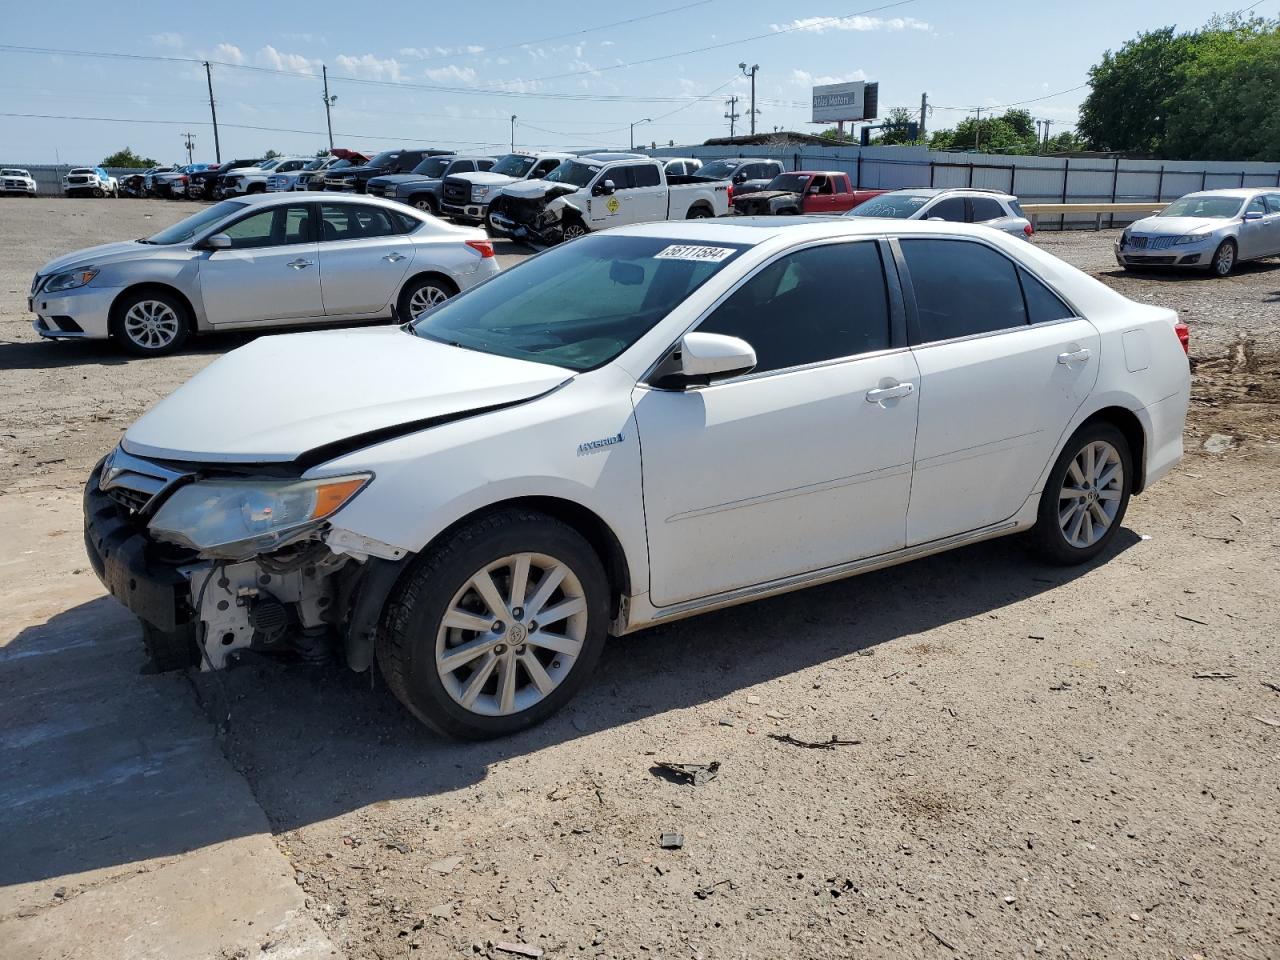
x=421, y=294
x=520, y=671
x=1086, y=496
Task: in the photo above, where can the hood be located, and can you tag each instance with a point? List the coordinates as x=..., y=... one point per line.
x=764, y=196
x=538, y=189
x=361, y=171
x=1178, y=226
x=95, y=256
x=395, y=179
x=483, y=178
x=282, y=396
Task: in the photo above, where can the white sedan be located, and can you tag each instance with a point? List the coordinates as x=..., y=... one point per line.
x=264, y=261
x=1212, y=229
x=633, y=427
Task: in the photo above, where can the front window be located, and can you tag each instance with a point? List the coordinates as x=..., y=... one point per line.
x=384, y=158
x=1209, y=208
x=269, y=164
x=574, y=173
x=432, y=168
x=891, y=206
x=186, y=230
x=789, y=182
x=719, y=169
x=513, y=165
x=578, y=305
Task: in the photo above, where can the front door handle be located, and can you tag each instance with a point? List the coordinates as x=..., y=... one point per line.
x=890, y=393
x=1082, y=355
x=299, y=264
x=394, y=257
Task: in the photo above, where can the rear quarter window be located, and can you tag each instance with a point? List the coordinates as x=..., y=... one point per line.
x=961, y=288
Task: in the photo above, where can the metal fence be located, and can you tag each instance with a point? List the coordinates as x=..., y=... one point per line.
x=48, y=176
x=1031, y=179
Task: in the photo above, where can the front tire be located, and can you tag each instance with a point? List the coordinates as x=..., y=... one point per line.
x=1085, y=497
x=1224, y=259
x=98, y=192
x=496, y=629
x=425, y=204
x=572, y=230
x=151, y=323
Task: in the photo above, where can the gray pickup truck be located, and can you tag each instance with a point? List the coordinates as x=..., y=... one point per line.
x=422, y=187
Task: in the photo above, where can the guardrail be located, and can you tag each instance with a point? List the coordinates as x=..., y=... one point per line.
x=1037, y=210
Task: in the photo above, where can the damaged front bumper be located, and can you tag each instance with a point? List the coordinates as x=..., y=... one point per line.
x=305, y=598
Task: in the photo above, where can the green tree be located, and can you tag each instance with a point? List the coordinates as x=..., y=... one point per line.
x=127, y=158
x=896, y=127
x=271, y=155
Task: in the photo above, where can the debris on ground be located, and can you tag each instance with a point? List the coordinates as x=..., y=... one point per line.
x=1213, y=675
x=519, y=949
x=445, y=866
x=1270, y=686
x=813, y=744
x=1183, y=616
x=672, y=841
x=1061, y=685
x=694, y=773
x=703, y=892
x=942, y=940
x=1268, y=721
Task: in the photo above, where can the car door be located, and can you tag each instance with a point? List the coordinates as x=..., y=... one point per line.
x=1273, y=221
x=610, y=209
x=271, y=271
x=650, y=195
x=803, y=463
x=989, y=212
x=820, y=195
x=1004, y=365
x=364, y=257
x=1255, y=234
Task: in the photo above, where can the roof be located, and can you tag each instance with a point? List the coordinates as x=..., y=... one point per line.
x=611, y=157
x=1240, y=192
x=817, y=173
x=278, y=199
x=751, y=231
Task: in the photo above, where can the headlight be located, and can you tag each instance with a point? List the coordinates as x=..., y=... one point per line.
x=240, y=518
x=1193, y=237
x=478, y=194
x=69, y=281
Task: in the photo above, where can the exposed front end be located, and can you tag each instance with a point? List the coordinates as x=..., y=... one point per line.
x=1137, y=248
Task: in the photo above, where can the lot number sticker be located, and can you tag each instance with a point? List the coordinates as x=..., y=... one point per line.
x=689, y=251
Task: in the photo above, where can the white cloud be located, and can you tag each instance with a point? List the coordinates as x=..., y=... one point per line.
x=368, y=67
x=228, y=53
x=803, y=78
x=171, y=41
x=859, y=23
x=451, y=74
x=269, y=56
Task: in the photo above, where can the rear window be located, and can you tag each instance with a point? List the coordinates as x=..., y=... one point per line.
x=985, y=208
x=961, y=289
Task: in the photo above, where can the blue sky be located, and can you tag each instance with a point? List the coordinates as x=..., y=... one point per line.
x=569, y=72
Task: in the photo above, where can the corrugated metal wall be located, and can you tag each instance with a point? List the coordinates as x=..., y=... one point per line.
x=1031, y=179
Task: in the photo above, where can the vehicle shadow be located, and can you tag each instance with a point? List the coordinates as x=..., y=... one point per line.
x=317, y=742
x=1187, y=275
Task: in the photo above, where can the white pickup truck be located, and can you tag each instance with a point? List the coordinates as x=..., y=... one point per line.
x=602, y=190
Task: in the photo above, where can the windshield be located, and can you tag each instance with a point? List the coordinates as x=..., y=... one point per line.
x=340, y=164
x=1210, y=208
x=578, y=305
x=315, y=164
x=84, y=170
x=384, y=158
x=893, y=206
x=513, y=165
x=184, y=230
x=433, y=167
x=719, y=169
x=573, y=172
x=791, y=182
x=270, y=164
x=10, y=172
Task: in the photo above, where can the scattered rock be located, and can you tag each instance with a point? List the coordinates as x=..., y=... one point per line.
x=445, y=866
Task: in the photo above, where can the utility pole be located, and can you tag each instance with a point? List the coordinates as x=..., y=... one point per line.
x=633, y=131
x=732, y=115
x=328, y=103
x=924, y=109
x=190, y=143
x=977, y=128
x=1047, y=124
x=217, y=147
x=752, y=74
x=513, y=133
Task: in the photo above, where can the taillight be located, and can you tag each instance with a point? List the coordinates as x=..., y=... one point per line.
x=731, y=194
x=1184, y=336
x=484, y=247
x=1028, y=230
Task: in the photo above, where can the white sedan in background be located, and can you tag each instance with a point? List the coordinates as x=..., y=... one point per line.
x=270, y=260
x=1212, y=229
x=636, y=426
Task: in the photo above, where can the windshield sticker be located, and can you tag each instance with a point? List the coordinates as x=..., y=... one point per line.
x=690, y=251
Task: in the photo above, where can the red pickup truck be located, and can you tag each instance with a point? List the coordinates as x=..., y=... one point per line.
x=803, y=191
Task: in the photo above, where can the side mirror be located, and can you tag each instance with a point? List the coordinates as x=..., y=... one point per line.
x=711, y=356
x=740, y=178
x=1253, y=215
x=604, y=188
x=219, y=241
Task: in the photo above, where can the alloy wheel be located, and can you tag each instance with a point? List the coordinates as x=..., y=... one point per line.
x=1091, y=493
x=151, y=324
x=1224, y=260
x=574, y=230
x=424, y=298
x=511, y=634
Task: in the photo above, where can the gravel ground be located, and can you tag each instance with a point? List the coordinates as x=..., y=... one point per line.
x=1035, y=769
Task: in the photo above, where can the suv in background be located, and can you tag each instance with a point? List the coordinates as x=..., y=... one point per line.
x=89, y=181
x=422, y=187
x=17, y=180
x=745, y=174
x=201, y=184
x=466, y=197
x=248, y=180
x=992, y=208
x=356, y=179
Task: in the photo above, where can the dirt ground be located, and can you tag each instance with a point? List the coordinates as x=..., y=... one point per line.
x=1079, y=763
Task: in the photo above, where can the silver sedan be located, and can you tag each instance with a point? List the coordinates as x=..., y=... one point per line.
x=1212, y=229
x=256, y=262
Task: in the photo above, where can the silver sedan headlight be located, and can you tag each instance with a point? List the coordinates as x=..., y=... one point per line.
x=1194, y=237
x=70, y=280
x=241, y=518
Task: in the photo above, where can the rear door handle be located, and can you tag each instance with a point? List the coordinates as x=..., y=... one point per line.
x=394, y=257
x=298, y=264
x=890, y=393
x=1082, y=355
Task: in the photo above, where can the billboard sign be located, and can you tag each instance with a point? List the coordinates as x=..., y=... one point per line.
x=834, y=102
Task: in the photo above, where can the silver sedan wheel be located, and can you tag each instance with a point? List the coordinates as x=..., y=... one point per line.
x=1225, y=259
x=424, y=298
x=1090, y=495
x=512, y=634
x=151, y=324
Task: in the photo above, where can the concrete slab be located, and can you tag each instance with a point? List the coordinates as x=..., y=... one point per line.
x=124, y=831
